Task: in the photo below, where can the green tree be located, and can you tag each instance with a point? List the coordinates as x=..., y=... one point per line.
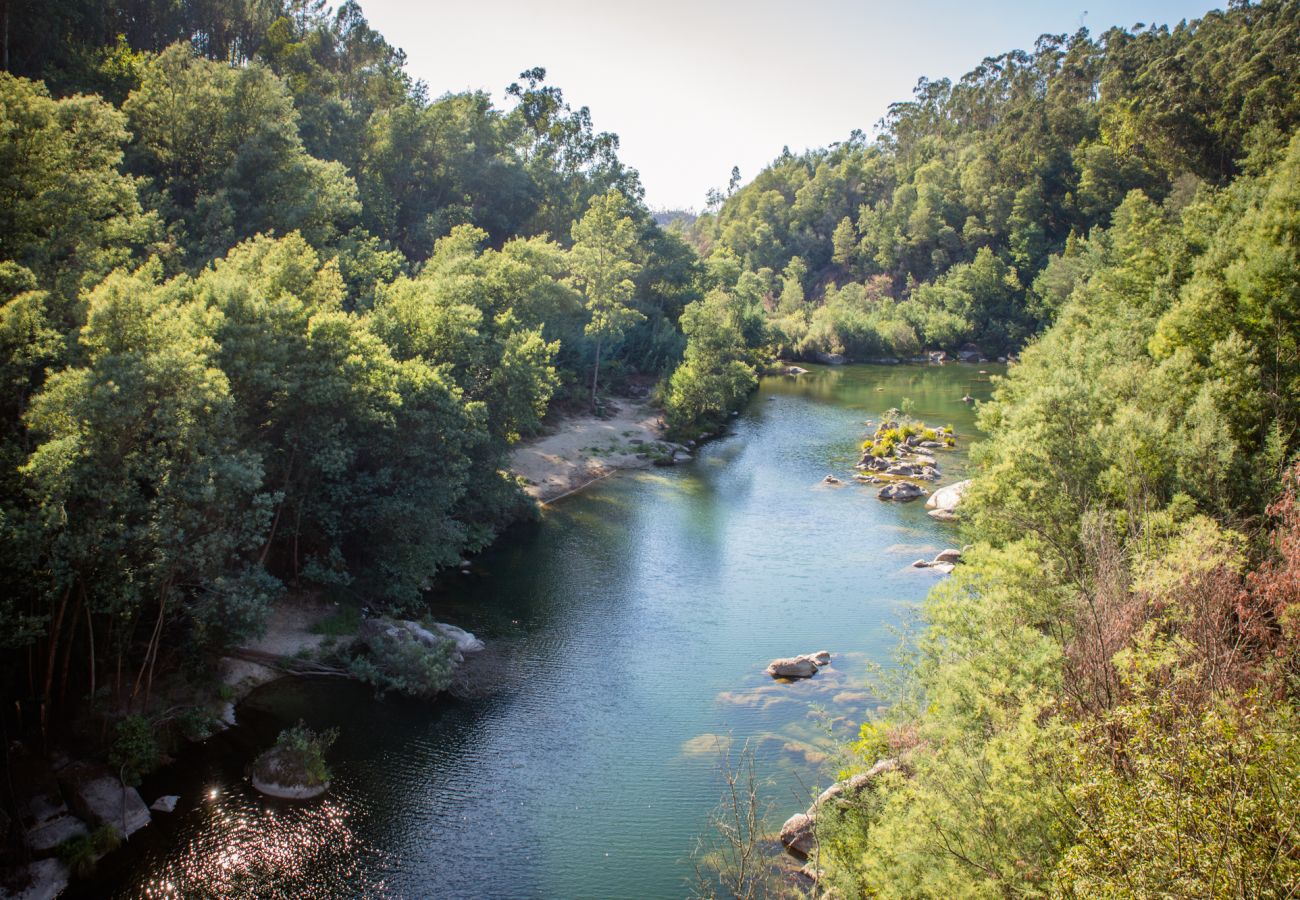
x=601, y=261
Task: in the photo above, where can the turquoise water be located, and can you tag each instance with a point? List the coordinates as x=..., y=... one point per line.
x=629, y=630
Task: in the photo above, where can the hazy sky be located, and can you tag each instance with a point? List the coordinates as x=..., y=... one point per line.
x=693, y=87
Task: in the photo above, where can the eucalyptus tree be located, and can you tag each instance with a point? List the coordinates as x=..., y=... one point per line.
x=601, y=260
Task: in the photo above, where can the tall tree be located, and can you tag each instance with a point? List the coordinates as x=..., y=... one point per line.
x=601, y=260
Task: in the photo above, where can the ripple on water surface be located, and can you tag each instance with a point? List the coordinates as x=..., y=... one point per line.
x=634, y=623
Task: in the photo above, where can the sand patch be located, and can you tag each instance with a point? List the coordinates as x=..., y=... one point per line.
x=584, y=449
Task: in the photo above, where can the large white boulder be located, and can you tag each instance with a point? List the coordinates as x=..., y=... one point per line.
x=948, y=498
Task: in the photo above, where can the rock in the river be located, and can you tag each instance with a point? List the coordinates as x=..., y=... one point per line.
x=821, y=658
x=831, y=479
x=951, y=555
x=798, y=834
x=793, y=667
x=921, y=564
x=970, y=353
x=901, y=490
x=464, y=641
x=165, y=804
x=947, y=499
x=943, y=568
x=98, y=796
x=795, y=370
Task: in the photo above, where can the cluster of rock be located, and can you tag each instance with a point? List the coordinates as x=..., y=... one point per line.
x=945, y=561
x=399, y=631
x=804, y=666
x=907, y=462
x=799, y=833
x=65, y=800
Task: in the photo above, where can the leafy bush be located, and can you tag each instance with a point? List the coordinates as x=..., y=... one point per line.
x=298, y=757
x=81, y=853
x=403, y=664
x=135, y=751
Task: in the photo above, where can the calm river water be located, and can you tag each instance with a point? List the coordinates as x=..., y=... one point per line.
x=632, y=626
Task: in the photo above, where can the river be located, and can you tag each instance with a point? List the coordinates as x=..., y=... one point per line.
x=632, y=625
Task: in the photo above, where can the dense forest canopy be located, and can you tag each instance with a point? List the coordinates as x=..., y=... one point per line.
x=937, y=232
x=272, y=316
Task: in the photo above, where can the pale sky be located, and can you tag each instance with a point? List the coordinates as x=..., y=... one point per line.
x=693, y=87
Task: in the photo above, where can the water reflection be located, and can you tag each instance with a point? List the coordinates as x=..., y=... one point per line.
x=632, y=625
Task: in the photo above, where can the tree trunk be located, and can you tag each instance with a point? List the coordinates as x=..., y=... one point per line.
x=595, y=374
x=90, y=633
x=52, y=655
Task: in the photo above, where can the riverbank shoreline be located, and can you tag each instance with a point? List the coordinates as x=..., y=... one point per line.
x=581, y=450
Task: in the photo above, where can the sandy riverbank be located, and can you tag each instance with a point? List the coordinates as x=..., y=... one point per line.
x=582, y=449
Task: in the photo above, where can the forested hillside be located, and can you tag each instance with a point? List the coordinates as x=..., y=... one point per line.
x=272, y=316
x=938, y=231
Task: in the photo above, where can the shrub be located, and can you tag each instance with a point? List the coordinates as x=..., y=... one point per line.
x=298, y=757
x=403, y=665
x=135, y=751
x=81, y=853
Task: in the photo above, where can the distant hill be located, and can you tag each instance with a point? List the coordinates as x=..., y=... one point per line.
x=667, y=216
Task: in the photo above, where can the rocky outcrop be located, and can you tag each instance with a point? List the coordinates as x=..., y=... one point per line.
x=848, y=789
x=435, y=636
x=830, y=359
x=289, y=791
x=792, y=667
x=901, y=491
x=804, y=666
x=799, y=834
x=944, y=502
x=45, y=879
x=98, y=796
x=165, y=804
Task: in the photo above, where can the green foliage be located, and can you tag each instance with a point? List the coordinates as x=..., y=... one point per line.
x=343, y=622
x=135, y=751
x=403, y=665
x=1202, y=807
x=717, y=372
x=973, y=185
x=70, y=215
x=299, y=754
x=603, y=270
x=81, y=854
